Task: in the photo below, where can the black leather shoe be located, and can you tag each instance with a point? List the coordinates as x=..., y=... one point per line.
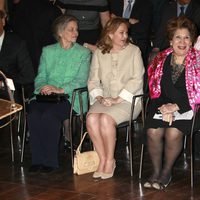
x=34, y=169
x=48, y=170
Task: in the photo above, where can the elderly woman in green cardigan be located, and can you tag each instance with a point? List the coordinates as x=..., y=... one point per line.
x=63, y=67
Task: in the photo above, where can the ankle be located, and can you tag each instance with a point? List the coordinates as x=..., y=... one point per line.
x=154, y=176
x=101, y=165
x=165, y=177
x=109, y=165
x=110, y=161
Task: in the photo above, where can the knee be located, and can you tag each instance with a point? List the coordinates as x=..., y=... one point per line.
x=106, y=121
x=173, y=137
x=151, y=135
x=92, y=120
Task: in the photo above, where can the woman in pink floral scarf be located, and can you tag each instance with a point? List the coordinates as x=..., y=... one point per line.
x=174, y=87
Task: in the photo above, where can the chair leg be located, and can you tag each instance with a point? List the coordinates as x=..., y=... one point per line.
x=19, y=122
x=191, y=148
x=127, y=136
x=71, y=141
x=24, y=135
x=130, y=152
x=185, y=144
x=72, y=150
x=185, y=163
x=141, y=162
x=23, y=141
x=191, y=163
x=11, y=141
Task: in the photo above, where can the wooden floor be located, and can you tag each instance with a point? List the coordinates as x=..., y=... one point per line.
x=17, y=184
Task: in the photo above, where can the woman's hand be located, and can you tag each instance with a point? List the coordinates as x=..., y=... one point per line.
x=168, y=108
x=167, y=111
x=168, y=118
x=49, y=89
x=133, y=21
x=91, y=47
x=108, y=101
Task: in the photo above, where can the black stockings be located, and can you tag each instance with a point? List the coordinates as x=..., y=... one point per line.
x=170, y=141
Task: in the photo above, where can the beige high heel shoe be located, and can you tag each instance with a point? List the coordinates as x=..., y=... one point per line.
x=109, y=175
x=97, y=174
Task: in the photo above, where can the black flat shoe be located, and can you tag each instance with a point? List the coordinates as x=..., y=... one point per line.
x=161, y=186
x=34, y=169
x=48, y=170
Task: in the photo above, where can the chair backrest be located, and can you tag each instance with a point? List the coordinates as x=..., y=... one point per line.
x=79, y=92
x=144, y=99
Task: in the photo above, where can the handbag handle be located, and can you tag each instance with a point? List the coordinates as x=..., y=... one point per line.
x=79, y=146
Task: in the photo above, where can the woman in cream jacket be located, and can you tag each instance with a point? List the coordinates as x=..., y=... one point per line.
x=116, y=74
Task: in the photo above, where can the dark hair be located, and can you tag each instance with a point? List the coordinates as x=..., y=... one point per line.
x=2, y=14
x=105, y=42
x=60, y=23
x=180, y=23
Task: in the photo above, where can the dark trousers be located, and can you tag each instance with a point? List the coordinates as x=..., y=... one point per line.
x=44, y=122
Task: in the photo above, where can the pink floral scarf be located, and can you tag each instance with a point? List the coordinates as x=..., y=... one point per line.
x=192, y=74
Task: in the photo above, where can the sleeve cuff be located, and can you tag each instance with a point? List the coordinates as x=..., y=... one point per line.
x=126, y=95
x=93, y=94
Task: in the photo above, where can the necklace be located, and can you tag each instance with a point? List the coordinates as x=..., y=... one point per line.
x=177, y=69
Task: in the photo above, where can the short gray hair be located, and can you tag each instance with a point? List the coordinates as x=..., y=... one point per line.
x=60, y=23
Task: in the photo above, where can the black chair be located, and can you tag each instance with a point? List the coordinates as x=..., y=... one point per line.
x=129, y=125
x=197, y=106
x=80, y=92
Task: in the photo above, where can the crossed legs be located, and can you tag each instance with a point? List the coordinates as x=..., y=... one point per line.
x=102, y=131
x=169, y=140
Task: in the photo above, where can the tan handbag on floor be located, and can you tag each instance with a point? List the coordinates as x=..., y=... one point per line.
x=85, y=162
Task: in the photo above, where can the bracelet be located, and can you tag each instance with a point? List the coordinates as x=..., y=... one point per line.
x=85, y=45
x=99, y=99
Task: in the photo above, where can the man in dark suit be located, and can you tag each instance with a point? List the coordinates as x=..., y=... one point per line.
x=15, y=61
x=173, y=9
x=140, y=18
